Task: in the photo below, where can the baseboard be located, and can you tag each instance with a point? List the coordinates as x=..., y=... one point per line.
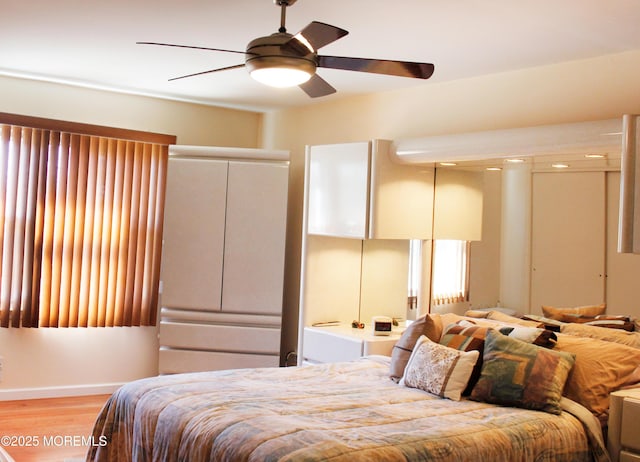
x=58, y=392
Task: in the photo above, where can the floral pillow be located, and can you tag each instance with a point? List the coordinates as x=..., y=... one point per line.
x=438, y=369
x=515, y=373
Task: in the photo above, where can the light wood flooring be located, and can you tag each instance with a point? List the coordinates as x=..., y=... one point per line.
x=56, y=424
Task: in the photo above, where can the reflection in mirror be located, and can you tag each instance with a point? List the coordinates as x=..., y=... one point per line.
x=414, y=279
x=450, y=271
x=501, y=263
x=384, y=276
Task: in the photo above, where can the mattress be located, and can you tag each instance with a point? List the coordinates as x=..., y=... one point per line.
x=347, y=411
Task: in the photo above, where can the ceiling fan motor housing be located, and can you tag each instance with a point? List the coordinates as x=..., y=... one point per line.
x=273, y=51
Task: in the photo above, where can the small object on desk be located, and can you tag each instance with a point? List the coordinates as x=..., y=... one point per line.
x=326, y=323
x=382, y=325
x=357, y=325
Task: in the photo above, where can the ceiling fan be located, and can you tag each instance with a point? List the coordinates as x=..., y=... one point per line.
x=284, y=60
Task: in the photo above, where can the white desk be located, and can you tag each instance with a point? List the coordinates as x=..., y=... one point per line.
x=343, y=343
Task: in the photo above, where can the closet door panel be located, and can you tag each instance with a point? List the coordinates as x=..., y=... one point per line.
x=255, y=238
x=194, y=233
x=568, y=239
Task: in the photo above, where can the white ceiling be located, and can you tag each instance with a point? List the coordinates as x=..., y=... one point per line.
x=92, y=43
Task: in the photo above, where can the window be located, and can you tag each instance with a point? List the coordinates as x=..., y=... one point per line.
x=81, y=210
x=450, y=282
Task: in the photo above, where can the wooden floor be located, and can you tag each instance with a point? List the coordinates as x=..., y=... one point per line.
x=49, y=430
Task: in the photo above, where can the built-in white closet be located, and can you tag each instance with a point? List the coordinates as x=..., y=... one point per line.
x=223, y=259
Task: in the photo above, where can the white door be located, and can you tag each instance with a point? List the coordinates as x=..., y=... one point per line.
x=255, y=237
x=194, y=233
x=567, y=239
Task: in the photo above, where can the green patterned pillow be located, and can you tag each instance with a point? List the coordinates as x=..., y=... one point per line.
x=515, y=373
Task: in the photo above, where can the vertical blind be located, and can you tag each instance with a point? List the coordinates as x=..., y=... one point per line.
x=80, y=228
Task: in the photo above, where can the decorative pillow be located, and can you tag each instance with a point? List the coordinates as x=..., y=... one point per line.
x=586, y=310
x=465, y=336
x=515, y=373
x=438, y=369
x=600, y=368
x=498, y=316
x=603, y=320
x=613, y=322
x=467, y=329
x=623, y=337
x=401, y=352
x=476, y=313
x=541, y=337
x=547, y=323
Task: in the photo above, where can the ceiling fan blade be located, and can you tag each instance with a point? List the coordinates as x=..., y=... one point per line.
x=189, y=46
x=378, y=66
x=207, y=72
x=316, y=87
x=318, y=34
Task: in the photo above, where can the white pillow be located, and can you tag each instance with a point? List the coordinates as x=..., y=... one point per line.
x=438, y=369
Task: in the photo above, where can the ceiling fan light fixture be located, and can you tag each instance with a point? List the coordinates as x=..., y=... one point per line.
x=278, y=70
x=280, y=77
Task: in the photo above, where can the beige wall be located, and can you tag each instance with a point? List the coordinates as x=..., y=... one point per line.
x=192, y=123
x=593, y=89
x=74, y=361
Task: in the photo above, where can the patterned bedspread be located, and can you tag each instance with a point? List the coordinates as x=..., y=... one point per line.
x=338, y=412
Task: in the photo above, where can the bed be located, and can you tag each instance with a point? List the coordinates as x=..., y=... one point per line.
x=350, y=411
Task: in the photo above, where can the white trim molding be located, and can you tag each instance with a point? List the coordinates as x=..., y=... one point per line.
x=58, y=392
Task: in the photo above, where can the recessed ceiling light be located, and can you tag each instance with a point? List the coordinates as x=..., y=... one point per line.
x=494, y=169
x=595, y=156
x=448, y=164
x=515, y=161
x=557, y=165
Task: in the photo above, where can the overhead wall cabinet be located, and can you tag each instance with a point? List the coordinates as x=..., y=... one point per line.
x=223, y=259
x=355, y=190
